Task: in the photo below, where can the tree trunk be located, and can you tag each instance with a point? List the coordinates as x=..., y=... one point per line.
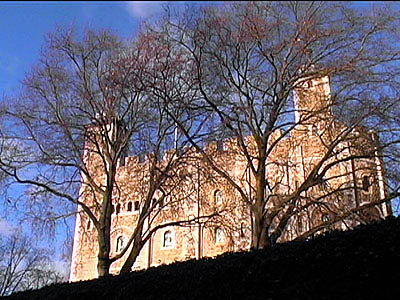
x=259, y=238
x=259, y=235
x=103, y=262
x=104, y=235
x=103, y=266
x=133, y=254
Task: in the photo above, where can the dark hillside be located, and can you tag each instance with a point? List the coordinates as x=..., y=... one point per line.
x=359, y=264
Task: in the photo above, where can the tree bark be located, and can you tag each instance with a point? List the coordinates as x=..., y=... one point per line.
x=104, y=235
x=133, y=254
x=103, y=266
x=259, y=236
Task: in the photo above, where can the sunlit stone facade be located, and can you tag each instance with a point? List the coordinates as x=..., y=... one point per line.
x=346, y=186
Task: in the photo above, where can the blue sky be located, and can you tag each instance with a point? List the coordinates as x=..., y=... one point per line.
x=23, y=26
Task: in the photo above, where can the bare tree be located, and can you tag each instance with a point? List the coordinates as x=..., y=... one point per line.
x=85, y=107
x=263, y=72
x=24, y=265
x=91, y=114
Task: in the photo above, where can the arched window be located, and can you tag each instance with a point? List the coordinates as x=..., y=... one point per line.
x=120, y=244
x=168, y=240
x=118, y=209
x=218, y=198
x=219, y=235
x=129, y=208
x=366, y=183
x=136, y=206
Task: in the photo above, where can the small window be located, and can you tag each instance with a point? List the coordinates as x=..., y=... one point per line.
x=220, y=145
x=219, y=235
x=112, y=208
x=168, y=239
x=89, y=225
x=120, y=244
x=366, y=183
x=136, y=205
x=218, y=198
x=141, y=158
x=118, y=209
x=129, y=208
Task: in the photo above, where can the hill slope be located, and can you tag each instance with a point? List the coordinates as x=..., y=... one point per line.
x=359, y=264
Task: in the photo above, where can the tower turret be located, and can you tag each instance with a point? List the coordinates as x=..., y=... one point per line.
x=313, y=105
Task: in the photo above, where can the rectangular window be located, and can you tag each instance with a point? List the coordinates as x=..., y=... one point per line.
x=220, y=146
x=136, y=206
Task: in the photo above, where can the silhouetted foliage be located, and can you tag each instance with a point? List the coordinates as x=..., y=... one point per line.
x=358, y=264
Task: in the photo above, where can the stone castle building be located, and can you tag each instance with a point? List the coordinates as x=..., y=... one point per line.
x=349, y=184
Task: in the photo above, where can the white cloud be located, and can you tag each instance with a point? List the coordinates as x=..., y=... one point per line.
x=144, y=9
